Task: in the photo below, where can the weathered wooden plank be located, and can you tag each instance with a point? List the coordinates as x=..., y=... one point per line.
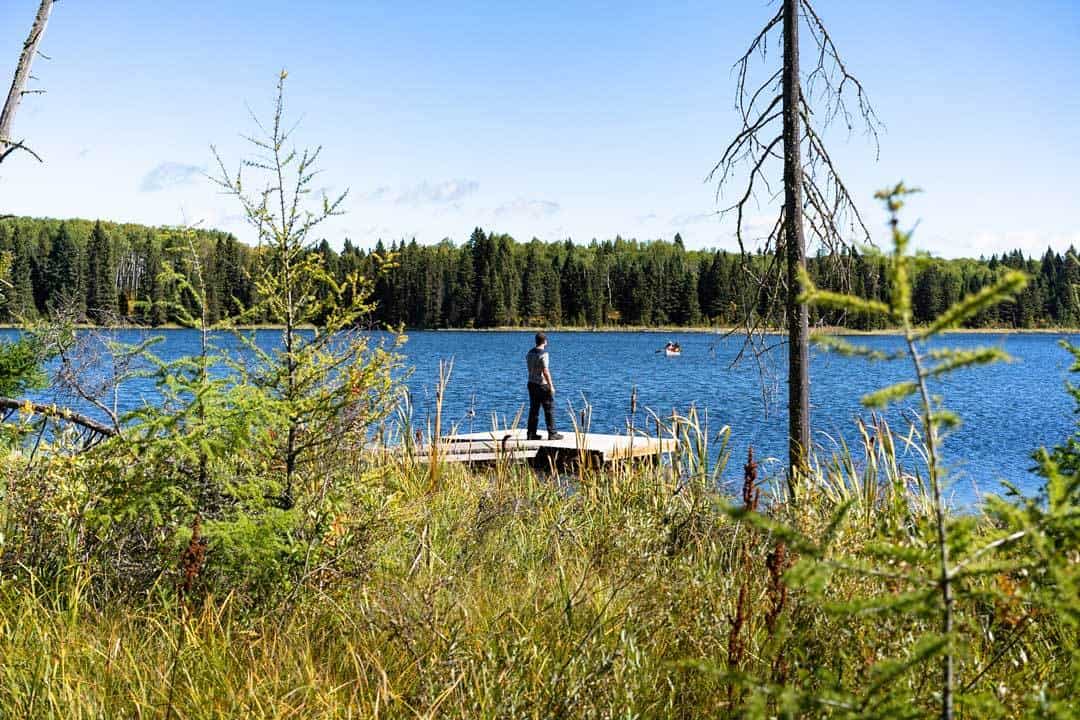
x=511, y=445
x=479, y=457
x=605, y=448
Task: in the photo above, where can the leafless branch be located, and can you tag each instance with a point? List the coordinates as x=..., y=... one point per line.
x=832, y=217
x=11, y=146
x=829, y=67
x=18, y=83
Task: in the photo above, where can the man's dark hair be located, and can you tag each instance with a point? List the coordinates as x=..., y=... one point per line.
x=541, y=338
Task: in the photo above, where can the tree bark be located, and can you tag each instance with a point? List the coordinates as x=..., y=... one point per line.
x=795, y=247
x=22, y=75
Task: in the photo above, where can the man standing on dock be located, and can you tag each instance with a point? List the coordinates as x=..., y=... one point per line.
x=541, y=389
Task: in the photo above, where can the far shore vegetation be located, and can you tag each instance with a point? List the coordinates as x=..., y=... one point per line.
x=688, y=329
x=108, y=273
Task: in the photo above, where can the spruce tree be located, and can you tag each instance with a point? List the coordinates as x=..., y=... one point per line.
x=101, y=296
x=62, y=275
x=553, y=295
x=39, y=270
x=329, y=385
x=21, y=304
x=532, y=285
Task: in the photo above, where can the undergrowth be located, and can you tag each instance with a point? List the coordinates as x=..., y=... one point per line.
x=510, y=595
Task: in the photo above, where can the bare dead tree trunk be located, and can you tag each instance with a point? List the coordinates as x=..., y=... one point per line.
x=779, y=128
x=795, y=246
x=18, y=85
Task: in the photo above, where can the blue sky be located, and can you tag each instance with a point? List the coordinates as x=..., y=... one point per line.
x=556, y=119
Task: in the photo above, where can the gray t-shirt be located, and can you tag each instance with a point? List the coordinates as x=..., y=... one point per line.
x=536, y=360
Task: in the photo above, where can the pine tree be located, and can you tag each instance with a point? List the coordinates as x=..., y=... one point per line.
x=21, y=304
x=327, y=385
x=39, y=271
x=533, y=296
x=63, y=276
x=1070, y=287
x=490, y=302
x=572, y=289
x=462, y=301
x=553, y=295
x=506, y=279
x=101, y=296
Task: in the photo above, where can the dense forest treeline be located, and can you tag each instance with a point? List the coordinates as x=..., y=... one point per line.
x=106, y=272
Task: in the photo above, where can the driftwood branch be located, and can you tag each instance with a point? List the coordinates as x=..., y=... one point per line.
x=58, y=413
x=18, y=84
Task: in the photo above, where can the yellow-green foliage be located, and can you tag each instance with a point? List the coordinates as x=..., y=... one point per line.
x=938, y=566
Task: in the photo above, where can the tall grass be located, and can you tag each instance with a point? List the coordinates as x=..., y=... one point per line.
x=501, y=594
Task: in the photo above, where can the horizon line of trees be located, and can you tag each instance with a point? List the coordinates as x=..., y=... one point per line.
x=104, y=272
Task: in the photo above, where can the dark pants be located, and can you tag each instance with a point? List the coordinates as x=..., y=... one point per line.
x=541, y=395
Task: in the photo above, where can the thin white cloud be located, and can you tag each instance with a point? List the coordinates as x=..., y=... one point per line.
x=379, y=193
x=443, y=193
x=451, y=209
x=693, y=218
x=170, y=175
x=528, y=208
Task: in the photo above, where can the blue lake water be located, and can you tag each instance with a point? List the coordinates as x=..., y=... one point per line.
x=1007, y=410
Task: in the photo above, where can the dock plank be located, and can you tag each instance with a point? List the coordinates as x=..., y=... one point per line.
x=480, y=456
x=512, y=444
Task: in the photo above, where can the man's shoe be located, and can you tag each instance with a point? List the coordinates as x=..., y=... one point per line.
x=533, y=437
x=555, y=436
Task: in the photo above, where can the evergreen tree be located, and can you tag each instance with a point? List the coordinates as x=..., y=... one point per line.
x=553, y=294
x=101, y=296
x=63, y=279
x=533, y=295
x=461, y=304
x=39, y=270
x=614, y=281
x=21, y=304
x=572, y=289
x=490, y=301
x=153, y=307
x=506, y=279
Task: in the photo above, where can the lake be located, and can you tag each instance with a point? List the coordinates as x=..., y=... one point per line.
x=1007, y=410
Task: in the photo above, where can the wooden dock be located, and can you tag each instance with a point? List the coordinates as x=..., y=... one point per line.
x=511, y=446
